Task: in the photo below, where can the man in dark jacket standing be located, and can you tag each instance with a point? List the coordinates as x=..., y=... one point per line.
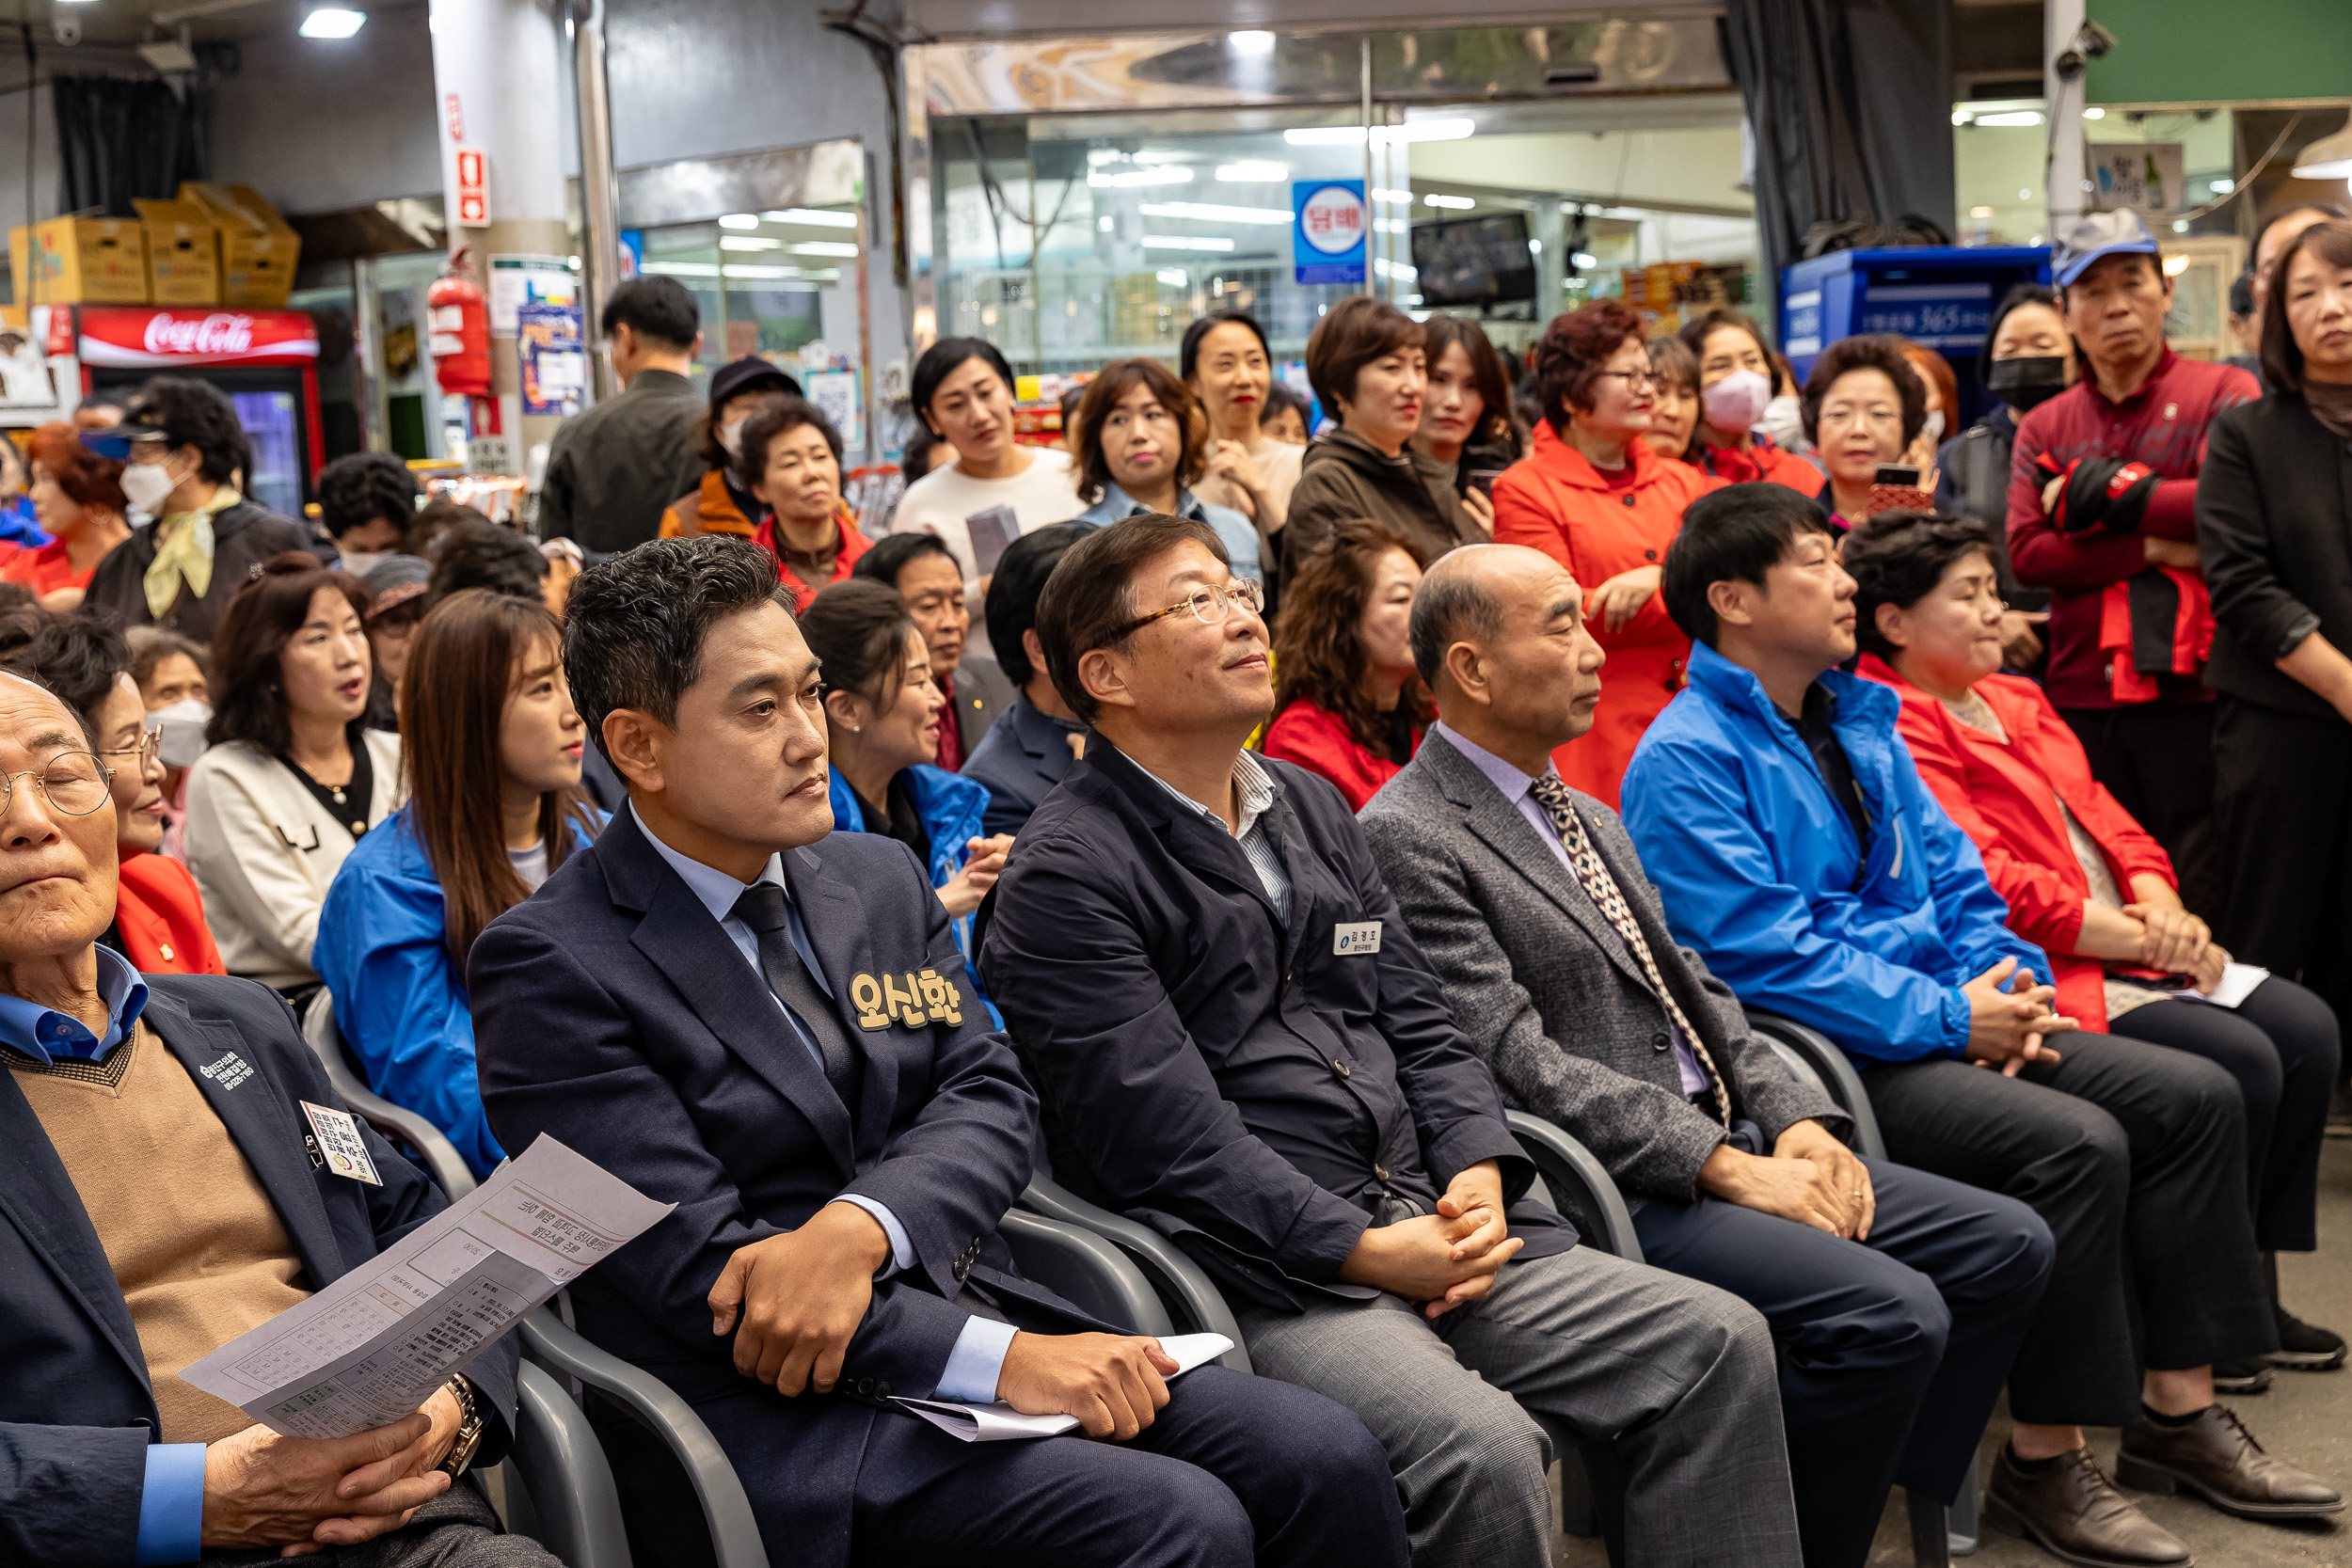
x=202, y=538
x=612, y=470
x=1236, y=1041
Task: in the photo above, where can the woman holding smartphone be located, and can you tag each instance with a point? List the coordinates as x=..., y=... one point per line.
x=1593, y=496
x=1864, y=407
x=1465, y=414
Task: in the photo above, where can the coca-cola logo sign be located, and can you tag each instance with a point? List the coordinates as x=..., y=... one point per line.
x=221, y=332
x=126, y=337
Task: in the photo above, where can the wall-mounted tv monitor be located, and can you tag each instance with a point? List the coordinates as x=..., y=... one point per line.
x=1474, y=262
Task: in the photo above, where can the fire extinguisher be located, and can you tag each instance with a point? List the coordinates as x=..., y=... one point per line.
x=461, y=331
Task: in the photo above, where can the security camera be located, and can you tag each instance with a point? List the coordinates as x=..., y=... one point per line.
x=2090, y=42
x=66, y=28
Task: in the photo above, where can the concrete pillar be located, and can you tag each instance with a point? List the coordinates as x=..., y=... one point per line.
x=2062, y=97
x=497, y=68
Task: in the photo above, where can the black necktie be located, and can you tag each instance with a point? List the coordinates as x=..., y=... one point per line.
x=762, y=908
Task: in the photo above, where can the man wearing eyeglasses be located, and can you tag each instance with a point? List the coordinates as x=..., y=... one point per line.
x=159, y=915
x=162, y=1196
x=1237, y=1040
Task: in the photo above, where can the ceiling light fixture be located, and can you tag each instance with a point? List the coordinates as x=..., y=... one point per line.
x=331, y=21
x=1252, y=41
x=815, y=218
x=738, y=220
x=1185, y=242
x=1164, y=174
x=1211, y=211
x=1382, y=135
x=1458, y=204
x=2328, y=158
x=2010, y=119
x=1251, y=171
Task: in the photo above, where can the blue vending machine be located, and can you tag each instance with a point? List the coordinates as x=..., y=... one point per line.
x=1941, y=296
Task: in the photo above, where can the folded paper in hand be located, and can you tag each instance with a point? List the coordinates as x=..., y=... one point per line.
x=370, y=1348
x=1000, y=1423
x=2238, y=983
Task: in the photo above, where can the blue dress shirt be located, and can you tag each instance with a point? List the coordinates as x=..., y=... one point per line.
x=979, y=1355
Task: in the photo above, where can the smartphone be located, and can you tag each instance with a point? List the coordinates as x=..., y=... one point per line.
x=992, y=530
x=1897, y=473
x=1483, y=481
x=1896, y=488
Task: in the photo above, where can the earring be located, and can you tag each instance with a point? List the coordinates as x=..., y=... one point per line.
x=857, y=729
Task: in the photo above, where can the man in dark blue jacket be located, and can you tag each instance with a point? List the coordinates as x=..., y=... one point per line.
x=160, y=1195
x=780, y=1035
x=1779, y=815
x=1024, y=754
x=1238, y=1043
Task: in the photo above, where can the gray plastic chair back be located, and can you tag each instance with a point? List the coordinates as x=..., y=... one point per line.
x=1815, y=1059
x=1191, y=1298
x=433, y=1146
x=569, y=1504
x=1578, y=1186
x=1085, y=1269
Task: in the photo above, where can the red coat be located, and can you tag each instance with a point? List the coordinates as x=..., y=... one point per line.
x=160, y=917
x=2006, y=799
x=1318, y=741
x=1763, y=462
x=853, y=545
x=1555, y=502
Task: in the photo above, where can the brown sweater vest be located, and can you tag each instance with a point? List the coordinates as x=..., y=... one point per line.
x=195, y=1243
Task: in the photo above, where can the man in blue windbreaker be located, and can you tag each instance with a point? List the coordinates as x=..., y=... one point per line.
x=1779, y=815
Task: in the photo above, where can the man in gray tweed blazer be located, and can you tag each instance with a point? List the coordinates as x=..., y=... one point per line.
x=1898, y=1298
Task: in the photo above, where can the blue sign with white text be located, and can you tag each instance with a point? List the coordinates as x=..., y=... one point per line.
x=1329, y=223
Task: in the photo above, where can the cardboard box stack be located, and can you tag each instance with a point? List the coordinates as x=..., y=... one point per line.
x=258, y=249
x=79, y=259
x=214, y=244
x=183, y=253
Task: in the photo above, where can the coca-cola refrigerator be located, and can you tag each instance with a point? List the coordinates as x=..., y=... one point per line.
x=266, y=362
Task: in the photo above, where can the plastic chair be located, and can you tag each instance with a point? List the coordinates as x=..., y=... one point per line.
x=734, y=1540
x=1085, y=1269
x=1188, y=1295
x=396, y=1122
x=1938, y=1533
x=559, y=1486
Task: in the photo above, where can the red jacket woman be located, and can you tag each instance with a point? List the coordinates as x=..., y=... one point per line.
x=1348, y=704
x=1609, y=527
x=159, y=917
x=1320, y=741
x=2006, y=798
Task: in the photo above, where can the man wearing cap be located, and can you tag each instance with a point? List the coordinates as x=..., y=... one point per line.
x=718, y=504
x=2102, y=513
x=611, y=470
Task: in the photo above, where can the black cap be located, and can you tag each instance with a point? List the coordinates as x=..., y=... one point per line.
x=746, y=374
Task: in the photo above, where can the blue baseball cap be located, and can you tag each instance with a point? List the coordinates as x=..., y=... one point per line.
x=2095, y=236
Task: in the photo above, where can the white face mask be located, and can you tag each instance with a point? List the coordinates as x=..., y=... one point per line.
x=180, y=730
x=359, y=562
x=1934, y=431
x=1782, y=420
x=731, y=435
x=147, y=486
x=1738, y=401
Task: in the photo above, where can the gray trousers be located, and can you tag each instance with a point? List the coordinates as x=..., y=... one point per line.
x=1680, y=1376
x=456, y=1529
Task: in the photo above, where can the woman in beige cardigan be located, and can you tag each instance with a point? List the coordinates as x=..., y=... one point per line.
x=292, y=780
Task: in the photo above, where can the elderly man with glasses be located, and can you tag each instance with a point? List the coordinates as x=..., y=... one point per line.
x=162, y=1196
x=1237, y=1041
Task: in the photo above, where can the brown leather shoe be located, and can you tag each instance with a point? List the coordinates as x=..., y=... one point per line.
x=2218, y=1458
x=2072, y=1509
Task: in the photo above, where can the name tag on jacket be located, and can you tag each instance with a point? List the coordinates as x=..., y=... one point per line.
x=1355, y=939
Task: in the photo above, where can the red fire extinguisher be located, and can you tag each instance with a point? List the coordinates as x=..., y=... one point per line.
x=461, y=331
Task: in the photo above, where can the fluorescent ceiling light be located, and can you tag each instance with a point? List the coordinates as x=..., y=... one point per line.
x=682, y=269
x=824, y=247
x=1185, y=242
x=1962, y=117
x=1163, y=155
x=816, y=217
x=1458, y=204
x=738, y=220
x=749, y=241
x=746, y=270
x=1210, y=211
x=1252, y=41
x=1585, y=260
x=332, y=22
x=2094, y=113
x=2223, y=187
x=1250, y=171
x=1387, y=268
x=1382, y=135
x=2328, y=158
x=1166, y=174
x=1175, y=277
x=2011, y=119
x=1394, y=198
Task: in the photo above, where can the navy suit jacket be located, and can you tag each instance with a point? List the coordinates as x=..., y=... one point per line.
x=76, y=1411
x=1222, y=1074
x=612, y=1011
x=1023, y=757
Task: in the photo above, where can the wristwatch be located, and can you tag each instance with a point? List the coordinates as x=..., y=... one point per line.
x=470, y=1424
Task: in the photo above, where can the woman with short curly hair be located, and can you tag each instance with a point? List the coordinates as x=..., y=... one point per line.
x=1348, y=704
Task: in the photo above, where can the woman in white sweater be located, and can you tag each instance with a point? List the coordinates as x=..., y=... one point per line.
x=291, y=781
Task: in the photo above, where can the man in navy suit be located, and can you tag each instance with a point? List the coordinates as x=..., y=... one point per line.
x=160, y=1192
x=780, y=1035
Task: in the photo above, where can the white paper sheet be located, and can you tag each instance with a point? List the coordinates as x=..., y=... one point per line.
x=1000, y=1423
x=2238, y=983
x=373, y=1346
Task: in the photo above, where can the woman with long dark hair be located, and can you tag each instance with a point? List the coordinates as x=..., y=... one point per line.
x=495, y=806
x=1348, y=704
x=293, y=778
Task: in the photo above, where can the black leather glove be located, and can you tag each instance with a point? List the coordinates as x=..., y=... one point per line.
x=2102, y=494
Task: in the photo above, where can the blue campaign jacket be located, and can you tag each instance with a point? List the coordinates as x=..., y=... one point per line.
x=1763, y=877
x=77, y=1410
x=613, y=1013
x=383, y=950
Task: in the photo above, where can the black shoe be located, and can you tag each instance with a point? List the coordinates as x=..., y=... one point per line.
x=2246, y=1374
x=2305, y=1347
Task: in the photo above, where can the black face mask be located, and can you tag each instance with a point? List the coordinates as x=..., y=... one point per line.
x=2027, y=383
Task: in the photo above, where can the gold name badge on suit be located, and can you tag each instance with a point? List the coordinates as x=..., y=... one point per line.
x=913, y=1000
